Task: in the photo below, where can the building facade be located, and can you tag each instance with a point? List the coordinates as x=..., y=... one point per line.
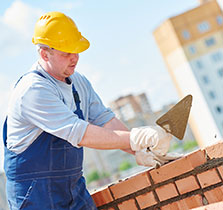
x=192, y=47
x=133, y=110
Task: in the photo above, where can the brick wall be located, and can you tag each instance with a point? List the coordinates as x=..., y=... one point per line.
x=193, y=181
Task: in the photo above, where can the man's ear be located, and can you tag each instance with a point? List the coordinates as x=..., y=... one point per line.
x=43, y=54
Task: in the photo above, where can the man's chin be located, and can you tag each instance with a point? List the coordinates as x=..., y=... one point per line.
x=69, y=73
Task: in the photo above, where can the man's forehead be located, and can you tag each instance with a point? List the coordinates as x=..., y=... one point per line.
x=61, y=52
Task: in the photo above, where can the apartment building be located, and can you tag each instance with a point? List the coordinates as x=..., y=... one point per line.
x=191, y=45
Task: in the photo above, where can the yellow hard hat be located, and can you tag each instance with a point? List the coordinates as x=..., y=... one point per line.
x=59, y=31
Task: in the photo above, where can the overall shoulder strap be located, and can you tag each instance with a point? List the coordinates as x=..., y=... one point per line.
x=5, y=132
x=34, y=71
x=77, y=102
x=38, y=72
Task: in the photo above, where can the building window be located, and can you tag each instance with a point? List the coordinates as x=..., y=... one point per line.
x=212, y=94
x=186, y=34
x=205, y=79
x=127, y=112
x=219, y=20
x=203, y=27
x=192, y=49
x=218, y=109
x=220, y=72
x=199, y=64
x=216, y=57
x=209, y=42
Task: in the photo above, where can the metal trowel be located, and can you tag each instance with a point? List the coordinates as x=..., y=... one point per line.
x=175, y=120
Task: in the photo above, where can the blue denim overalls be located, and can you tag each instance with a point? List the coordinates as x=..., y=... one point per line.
x=48, y=174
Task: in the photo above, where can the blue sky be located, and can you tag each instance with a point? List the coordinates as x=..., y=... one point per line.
x=123, y=57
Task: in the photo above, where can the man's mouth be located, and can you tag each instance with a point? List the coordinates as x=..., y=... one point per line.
x=73, y=65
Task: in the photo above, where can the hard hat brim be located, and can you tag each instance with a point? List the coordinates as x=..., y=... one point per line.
x=81, y=45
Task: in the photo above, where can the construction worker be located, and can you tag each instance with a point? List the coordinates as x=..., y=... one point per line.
x=53, y=113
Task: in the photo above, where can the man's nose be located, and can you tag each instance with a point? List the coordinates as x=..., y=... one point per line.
x=74, y=57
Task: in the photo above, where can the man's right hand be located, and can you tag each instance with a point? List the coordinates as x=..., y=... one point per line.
x=153, y=137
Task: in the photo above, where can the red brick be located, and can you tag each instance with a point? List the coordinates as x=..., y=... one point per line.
x=191, y=202
x=130, y=185
x=146, y=200
x=102, y=197
x=178, y=167
x=167, y=191
x=214, y=206
x=215, y=151
x=208, y=178
x=128, y=205
x=220, y=169
x=214, y=195
x=172, y=206
x=187, y=184
x=185, y=204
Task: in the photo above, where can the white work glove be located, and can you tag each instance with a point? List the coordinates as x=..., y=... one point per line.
x=153, y=137
x=151, y=159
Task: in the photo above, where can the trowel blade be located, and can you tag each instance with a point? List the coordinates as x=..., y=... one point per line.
x=175, y=120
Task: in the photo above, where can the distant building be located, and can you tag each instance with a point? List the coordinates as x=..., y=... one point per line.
x=192, y=48
x=134, y=111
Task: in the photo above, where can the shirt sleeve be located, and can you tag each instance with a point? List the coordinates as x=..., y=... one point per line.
x=41, y=106
x=98, y=113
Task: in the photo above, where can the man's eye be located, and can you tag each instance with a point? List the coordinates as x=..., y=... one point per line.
x=65, y=54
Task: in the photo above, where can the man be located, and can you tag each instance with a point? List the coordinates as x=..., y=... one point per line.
x=53, y=113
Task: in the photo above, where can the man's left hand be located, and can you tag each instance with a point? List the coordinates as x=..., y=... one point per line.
x=152, y=159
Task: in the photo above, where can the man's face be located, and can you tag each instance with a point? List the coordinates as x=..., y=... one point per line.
x=61, y=64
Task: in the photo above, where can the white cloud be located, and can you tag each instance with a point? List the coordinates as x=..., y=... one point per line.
x=21, y=17
x=17, y=25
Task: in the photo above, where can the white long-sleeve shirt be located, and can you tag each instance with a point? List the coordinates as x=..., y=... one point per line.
x=40, y=104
